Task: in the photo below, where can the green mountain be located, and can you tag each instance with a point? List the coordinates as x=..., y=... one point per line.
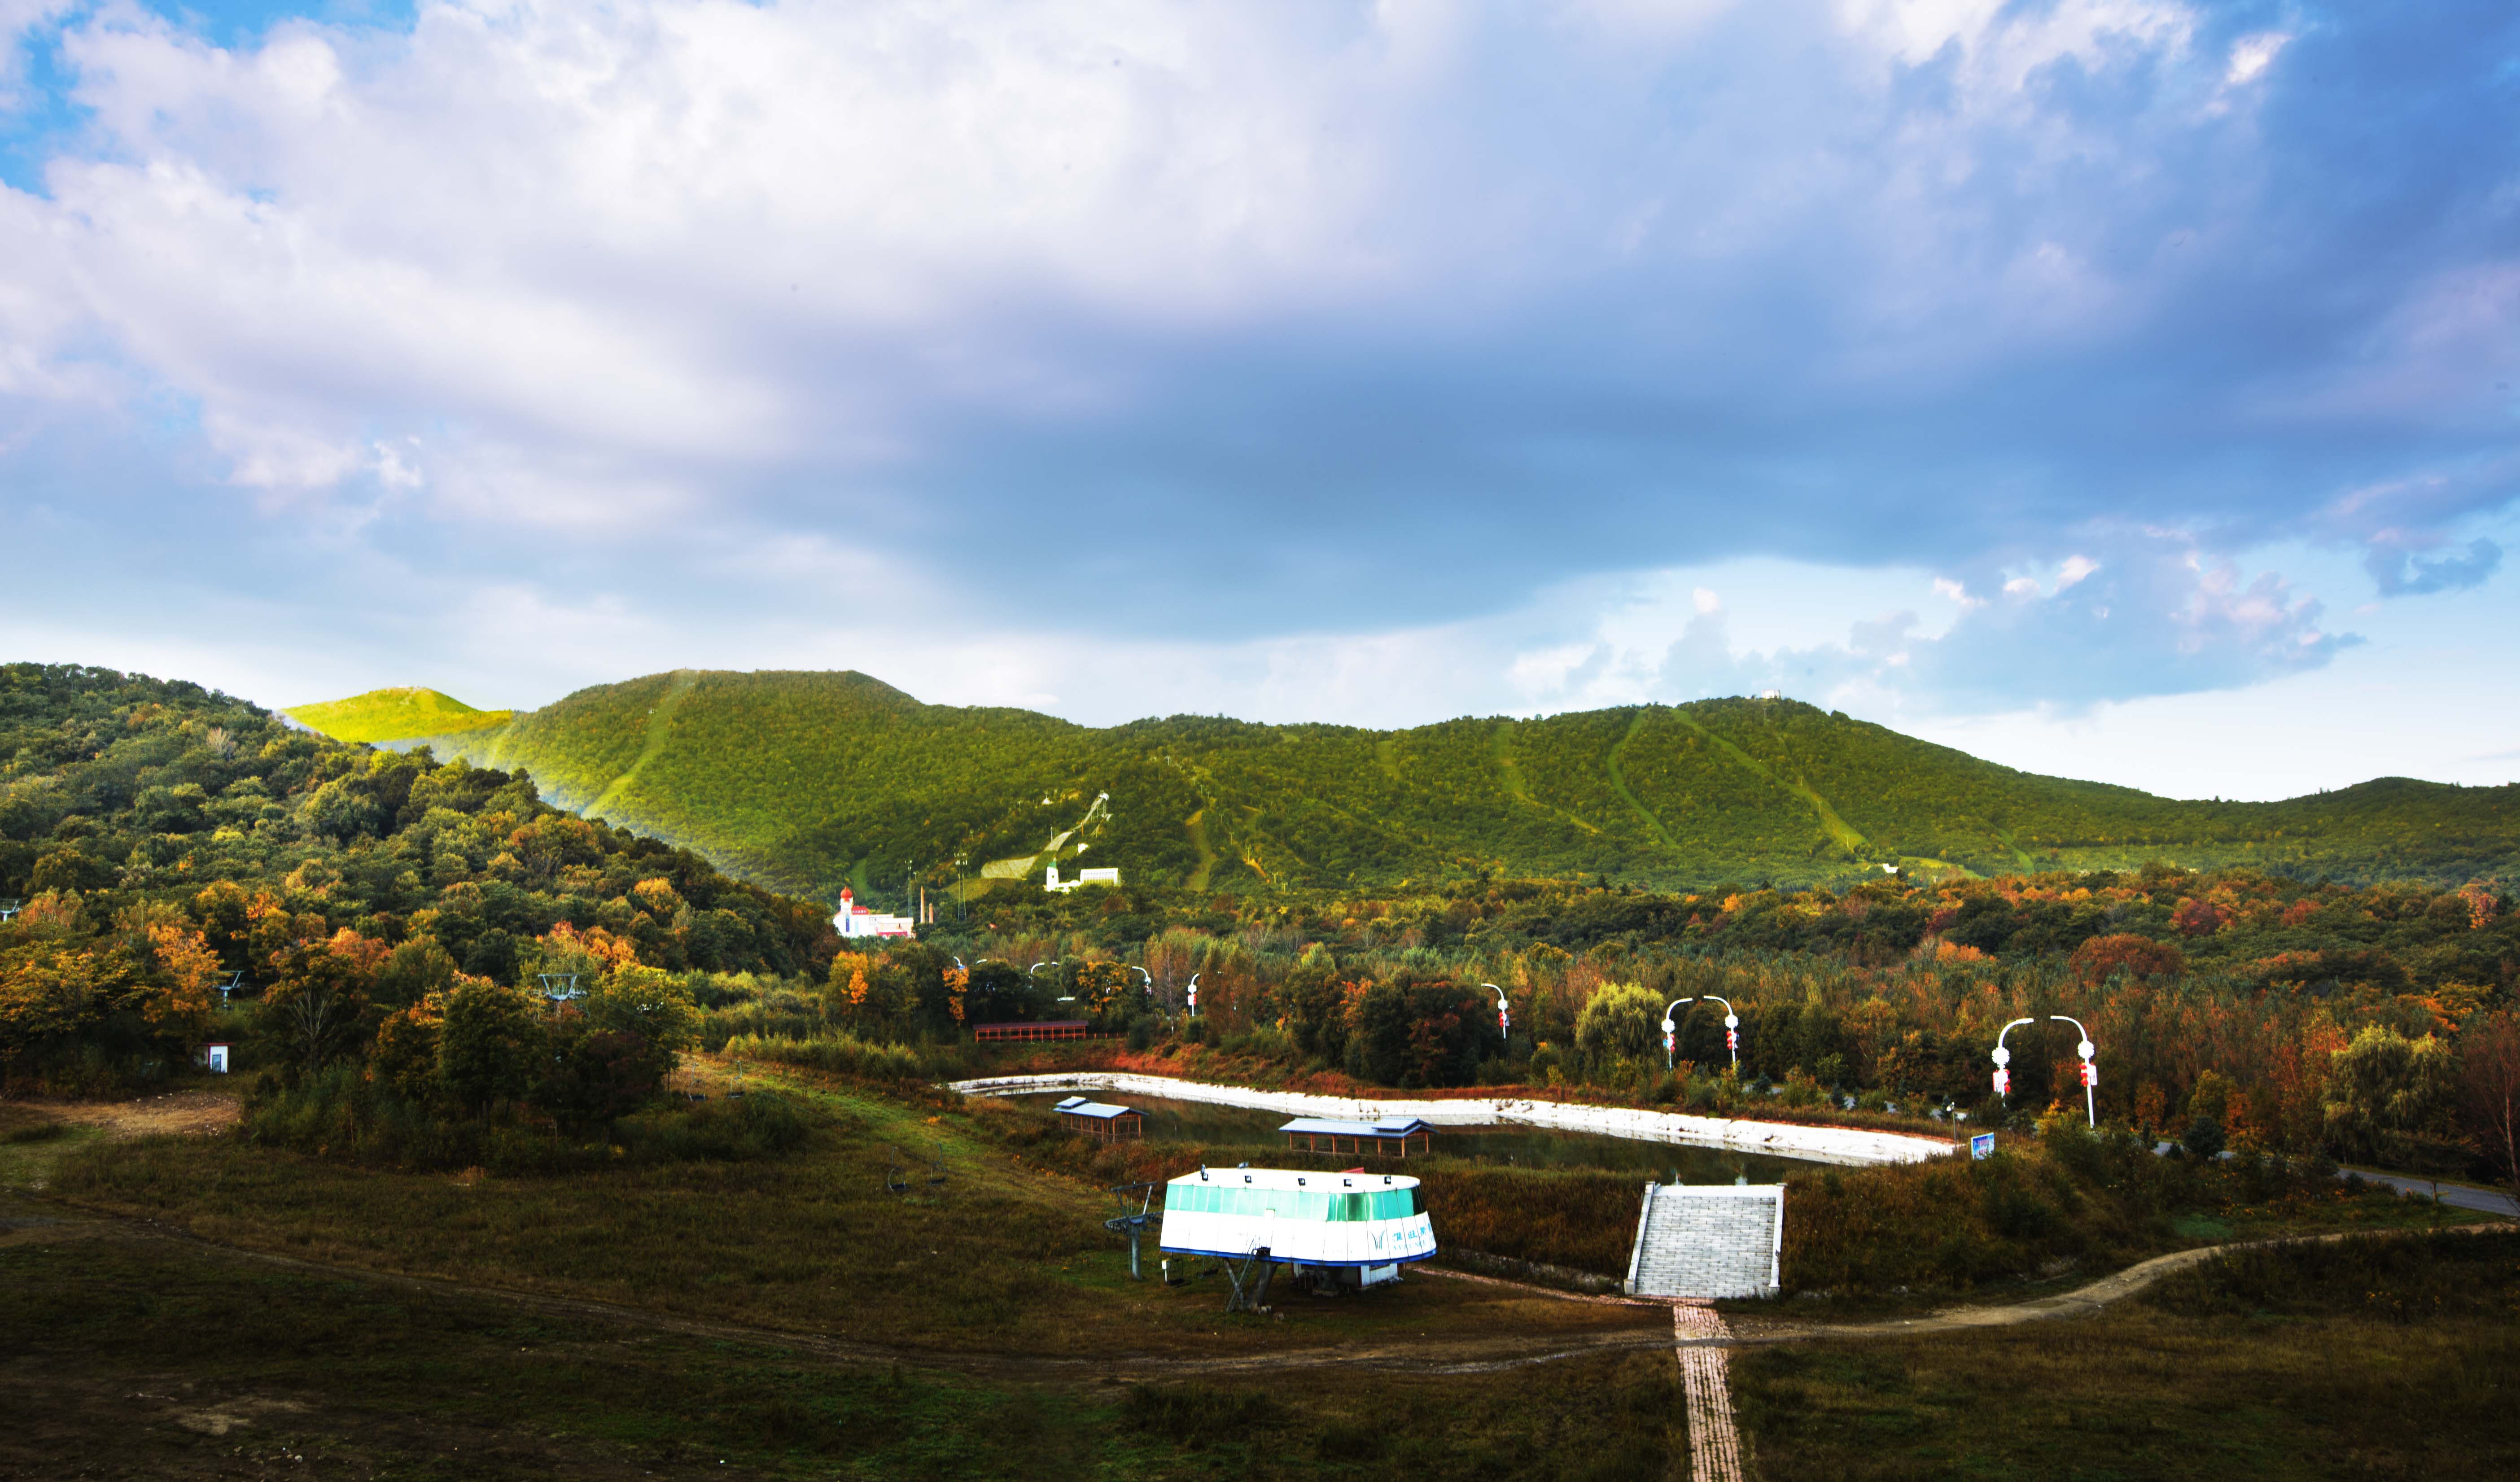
x=802, y=781
x=394, y=714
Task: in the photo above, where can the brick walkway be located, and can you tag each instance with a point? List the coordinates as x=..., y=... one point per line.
x=1699, y=1337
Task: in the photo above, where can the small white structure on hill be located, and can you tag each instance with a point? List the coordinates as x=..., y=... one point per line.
x=1101, y=877
x=853, y=921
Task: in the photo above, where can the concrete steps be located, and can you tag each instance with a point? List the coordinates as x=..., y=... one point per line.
x=1706, y=1240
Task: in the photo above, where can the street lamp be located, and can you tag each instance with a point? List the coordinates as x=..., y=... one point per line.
x=1193, y=997
x=1056, y=961
x=1505, y=1019
x=2003, y=1058
x=2091, y=1072
x=1670, y=1035
x=1143, y=973
x=1731, y=1032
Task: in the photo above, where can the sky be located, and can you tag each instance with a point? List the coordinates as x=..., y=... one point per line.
x=2114, y=389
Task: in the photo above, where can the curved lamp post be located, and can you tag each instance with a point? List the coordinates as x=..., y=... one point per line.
x=1505, y=1019
x=2003, y=1058
x=2091, y=1072
x=1670, y=1034
x=1193, y=997
x=1732, y=1031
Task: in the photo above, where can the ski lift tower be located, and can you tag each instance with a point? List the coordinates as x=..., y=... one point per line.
x=1133, y=1224
x=230, y=984
x=8, y=905
x=560, y=988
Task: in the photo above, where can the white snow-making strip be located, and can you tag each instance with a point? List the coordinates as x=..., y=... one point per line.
x=1852, y=1147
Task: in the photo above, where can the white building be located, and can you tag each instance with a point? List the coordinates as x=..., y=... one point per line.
x=853, y=921
x=1356, y=1228
x=1103, y=876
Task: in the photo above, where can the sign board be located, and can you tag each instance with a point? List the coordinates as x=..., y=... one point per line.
x=1982, y=1144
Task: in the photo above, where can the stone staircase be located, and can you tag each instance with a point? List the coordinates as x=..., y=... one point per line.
x=1708, y=1241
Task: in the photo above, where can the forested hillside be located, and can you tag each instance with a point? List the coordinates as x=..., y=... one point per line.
x=805, y=780
x=156, y=839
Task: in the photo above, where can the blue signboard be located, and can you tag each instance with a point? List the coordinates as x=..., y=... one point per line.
x=1982, y=1144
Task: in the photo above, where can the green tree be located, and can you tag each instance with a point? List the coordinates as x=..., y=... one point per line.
x=490, y=1045
x=2389, y=1097
x=1622, y=1022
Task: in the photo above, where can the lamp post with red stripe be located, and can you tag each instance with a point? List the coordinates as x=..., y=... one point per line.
x=1670, y=1035
x=2091, y=1072
x=2003, y=1058
x=1732, y=1031
x=1505, y=1020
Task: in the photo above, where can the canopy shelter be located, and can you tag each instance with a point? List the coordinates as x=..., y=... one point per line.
x=1101, y=1120
x=1392, y=1138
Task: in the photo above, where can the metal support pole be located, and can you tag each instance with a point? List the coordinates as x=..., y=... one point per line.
x=2003, y=1060
x=1670, y=1040
x=1732, y=1031
x=2090, y=1072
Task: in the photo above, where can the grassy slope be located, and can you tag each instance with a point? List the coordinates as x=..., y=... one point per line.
x=2355, y=1359
x=1009, y=1256
x=393, y=715
x=803, y=779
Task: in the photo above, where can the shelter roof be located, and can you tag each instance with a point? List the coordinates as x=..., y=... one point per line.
x=1077, y=1106
x=1396, y=1127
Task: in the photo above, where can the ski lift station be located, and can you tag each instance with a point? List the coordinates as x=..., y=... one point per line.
x=1348, y=1229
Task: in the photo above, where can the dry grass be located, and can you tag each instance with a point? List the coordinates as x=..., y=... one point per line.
x=2394, y=1358
x=1008, y=1254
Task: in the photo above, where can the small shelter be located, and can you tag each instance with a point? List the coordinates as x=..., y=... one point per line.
x=1390, y=1138
x=1046, y=1029
x=1101, y=1120
x=214, y=1057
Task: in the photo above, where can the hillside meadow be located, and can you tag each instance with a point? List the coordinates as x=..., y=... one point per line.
x=806, y=781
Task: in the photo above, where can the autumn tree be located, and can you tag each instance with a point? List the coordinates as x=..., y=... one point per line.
x=2488, y=1090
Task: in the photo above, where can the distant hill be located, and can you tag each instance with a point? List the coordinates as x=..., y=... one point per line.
x=802, y=781
x=397, y=714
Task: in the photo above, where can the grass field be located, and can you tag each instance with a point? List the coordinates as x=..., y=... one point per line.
x=130, y=1356
x=788, y=1317
x=1008, y=1255
x=2372, y=1358
x=393, y=715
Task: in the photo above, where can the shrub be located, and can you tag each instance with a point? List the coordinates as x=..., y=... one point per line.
x=836, y=1055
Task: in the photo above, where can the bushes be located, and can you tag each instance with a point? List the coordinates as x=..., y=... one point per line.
x=340, y=1113
x=2075, y=1198
x=2401, y=1279
x=1582, y=1220
x=836, y=1055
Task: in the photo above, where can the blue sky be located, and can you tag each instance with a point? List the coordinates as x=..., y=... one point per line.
x=2122, y=388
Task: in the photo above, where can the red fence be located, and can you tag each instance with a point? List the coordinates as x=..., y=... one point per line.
x=1051, y=1029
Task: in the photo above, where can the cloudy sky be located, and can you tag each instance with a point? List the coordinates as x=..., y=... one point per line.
x=2121, y=388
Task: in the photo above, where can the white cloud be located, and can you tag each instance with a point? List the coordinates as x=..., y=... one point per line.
x=2252, y=55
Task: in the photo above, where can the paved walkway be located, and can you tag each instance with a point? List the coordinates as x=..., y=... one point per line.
x=1700, y=1340
x=2456, y=1195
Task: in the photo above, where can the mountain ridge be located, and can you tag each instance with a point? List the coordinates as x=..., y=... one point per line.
x=805, y=780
